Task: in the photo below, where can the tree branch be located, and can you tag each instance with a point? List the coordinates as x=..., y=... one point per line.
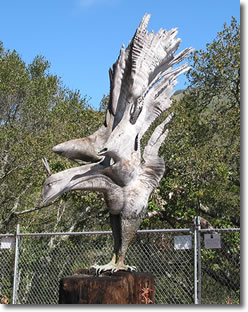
x=18, y=213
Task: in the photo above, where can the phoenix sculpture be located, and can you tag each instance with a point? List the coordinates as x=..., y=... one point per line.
x=111, y=160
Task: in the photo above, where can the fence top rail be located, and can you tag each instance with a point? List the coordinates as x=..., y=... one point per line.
x=110, y=232
x=93, y=233
x=220, y=230
x=102, y=232
x=7, y=235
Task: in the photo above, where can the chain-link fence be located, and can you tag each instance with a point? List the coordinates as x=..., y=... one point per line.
x=184, y=274
x=220, y=267
x=7, y=259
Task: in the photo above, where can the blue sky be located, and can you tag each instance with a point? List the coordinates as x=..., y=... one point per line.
x=82, y=38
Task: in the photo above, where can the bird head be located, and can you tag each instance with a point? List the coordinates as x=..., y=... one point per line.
x=54, y=186
x=64, y=181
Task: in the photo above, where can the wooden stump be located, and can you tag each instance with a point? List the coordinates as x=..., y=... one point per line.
x=121, y=287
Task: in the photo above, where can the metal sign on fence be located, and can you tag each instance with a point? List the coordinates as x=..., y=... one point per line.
x=212, y=241
x=183, y=242
x=7, y=243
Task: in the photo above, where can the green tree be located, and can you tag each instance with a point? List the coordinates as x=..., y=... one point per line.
x=38, y=112
x=202, y=152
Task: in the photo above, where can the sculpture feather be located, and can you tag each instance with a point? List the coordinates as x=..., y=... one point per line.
x=141, y=85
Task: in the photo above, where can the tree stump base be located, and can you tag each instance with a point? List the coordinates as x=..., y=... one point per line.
x=122, y=287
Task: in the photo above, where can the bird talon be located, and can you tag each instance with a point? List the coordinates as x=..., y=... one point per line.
x=99, y=271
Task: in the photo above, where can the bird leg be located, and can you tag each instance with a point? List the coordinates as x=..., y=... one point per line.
x=129, y=226
x=115, y=221
x=124, y=230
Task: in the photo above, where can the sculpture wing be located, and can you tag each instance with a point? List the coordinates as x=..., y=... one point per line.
x=150, y=153
x=142, y=82
x=143, y=76
x=154, y=167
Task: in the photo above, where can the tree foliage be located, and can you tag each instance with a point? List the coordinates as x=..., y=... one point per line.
x=37, y=112
x=202, y=152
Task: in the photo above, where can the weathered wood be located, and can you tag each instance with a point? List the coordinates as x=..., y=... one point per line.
x=108, y=288
x=141, y=85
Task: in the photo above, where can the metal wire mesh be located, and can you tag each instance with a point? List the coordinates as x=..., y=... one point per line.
x=172, y=268
x=43, y=261
x=221, y=270
x=7, y=258
x=45, y=258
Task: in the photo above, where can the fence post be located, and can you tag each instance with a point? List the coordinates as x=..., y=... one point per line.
x=15, y=282
x=199, y=258
x=197, y=261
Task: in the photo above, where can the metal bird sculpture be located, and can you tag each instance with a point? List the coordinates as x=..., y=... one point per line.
x=141, y=84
